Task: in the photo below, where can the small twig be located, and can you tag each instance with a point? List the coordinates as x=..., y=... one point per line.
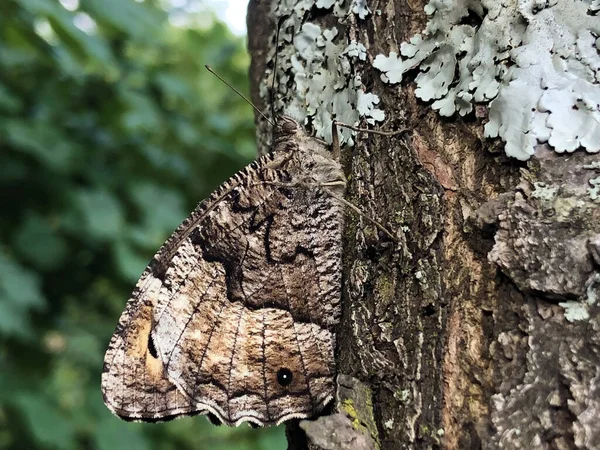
x=367, y=130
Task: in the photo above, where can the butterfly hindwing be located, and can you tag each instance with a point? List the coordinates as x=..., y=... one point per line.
x=235, y=315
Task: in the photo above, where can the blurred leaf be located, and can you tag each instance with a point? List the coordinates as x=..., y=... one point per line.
x=112, y=434
x=40, y=140
x=141, y=113
x=129, y=262
x=101, y=213
x=17, y=55
x=221, y=122
x=130, y=17
x=20, y=292
x=174, y=87
x=84, y=347
x=8, y=102
x=14, y=321
x=81, y=44
x=13, y=170
x=187, y=132
x=38, y=243
x=47, y=424
x=274, y=438
x=161, y=208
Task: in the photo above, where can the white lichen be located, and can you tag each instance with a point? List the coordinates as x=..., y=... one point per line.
x=366, y=107
x=594, y=191
x=543, y=192
x=575, y=311
x=361, y=9
x=580, y=310
x=536, y=62
x=392, y=67
x=316, y=72
x=356, y=50
x=595, y=165
x=325, y=4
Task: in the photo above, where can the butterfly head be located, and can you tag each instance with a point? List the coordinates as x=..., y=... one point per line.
x=287, y=135
x=286, y=126
x=314, y=161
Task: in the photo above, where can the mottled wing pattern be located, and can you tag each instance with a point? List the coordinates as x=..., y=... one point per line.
x=235, y=315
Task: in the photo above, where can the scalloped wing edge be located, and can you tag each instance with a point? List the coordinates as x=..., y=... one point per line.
x=203, y=409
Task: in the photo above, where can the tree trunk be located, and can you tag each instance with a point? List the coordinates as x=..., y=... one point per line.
x=479, y=327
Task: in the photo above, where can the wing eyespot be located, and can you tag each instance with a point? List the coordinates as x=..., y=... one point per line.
x=151, y=347
x=285, y=377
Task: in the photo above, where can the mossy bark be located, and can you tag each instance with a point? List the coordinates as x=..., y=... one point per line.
x=444, y=336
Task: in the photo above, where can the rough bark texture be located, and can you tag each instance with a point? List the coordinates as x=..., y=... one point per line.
x=454, y=337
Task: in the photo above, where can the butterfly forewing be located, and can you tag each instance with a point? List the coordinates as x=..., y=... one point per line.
x=235, y=315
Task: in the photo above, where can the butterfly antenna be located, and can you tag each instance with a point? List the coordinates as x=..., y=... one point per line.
x=239, y=93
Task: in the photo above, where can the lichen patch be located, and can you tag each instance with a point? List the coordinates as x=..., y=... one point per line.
x=536, y=64
x=319, y=68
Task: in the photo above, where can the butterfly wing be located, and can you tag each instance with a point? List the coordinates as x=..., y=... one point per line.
x=235, y=314
x=134, y=384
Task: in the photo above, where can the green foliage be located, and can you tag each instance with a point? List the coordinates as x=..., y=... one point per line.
x=108, y=138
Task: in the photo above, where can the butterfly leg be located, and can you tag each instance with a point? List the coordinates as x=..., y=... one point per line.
x=337, y=154
x=341, y=200
x=335, y=141
x=362, y=213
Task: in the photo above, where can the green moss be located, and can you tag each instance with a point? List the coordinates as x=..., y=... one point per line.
x=362, y=418
x=370, y=403
x=385, y=286
x=348, y=408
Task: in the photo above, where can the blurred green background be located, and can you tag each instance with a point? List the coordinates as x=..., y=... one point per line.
x=111, y=131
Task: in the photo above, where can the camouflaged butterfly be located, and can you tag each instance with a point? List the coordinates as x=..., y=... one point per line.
x=235, y=315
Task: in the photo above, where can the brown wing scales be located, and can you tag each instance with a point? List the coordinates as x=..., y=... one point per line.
x=235, y=315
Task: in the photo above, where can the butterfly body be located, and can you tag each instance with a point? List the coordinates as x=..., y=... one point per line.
x=235, y=315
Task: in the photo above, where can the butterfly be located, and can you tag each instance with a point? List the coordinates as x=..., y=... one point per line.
x=235, y=315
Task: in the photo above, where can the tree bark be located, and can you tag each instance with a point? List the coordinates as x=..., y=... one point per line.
x=453, y=337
